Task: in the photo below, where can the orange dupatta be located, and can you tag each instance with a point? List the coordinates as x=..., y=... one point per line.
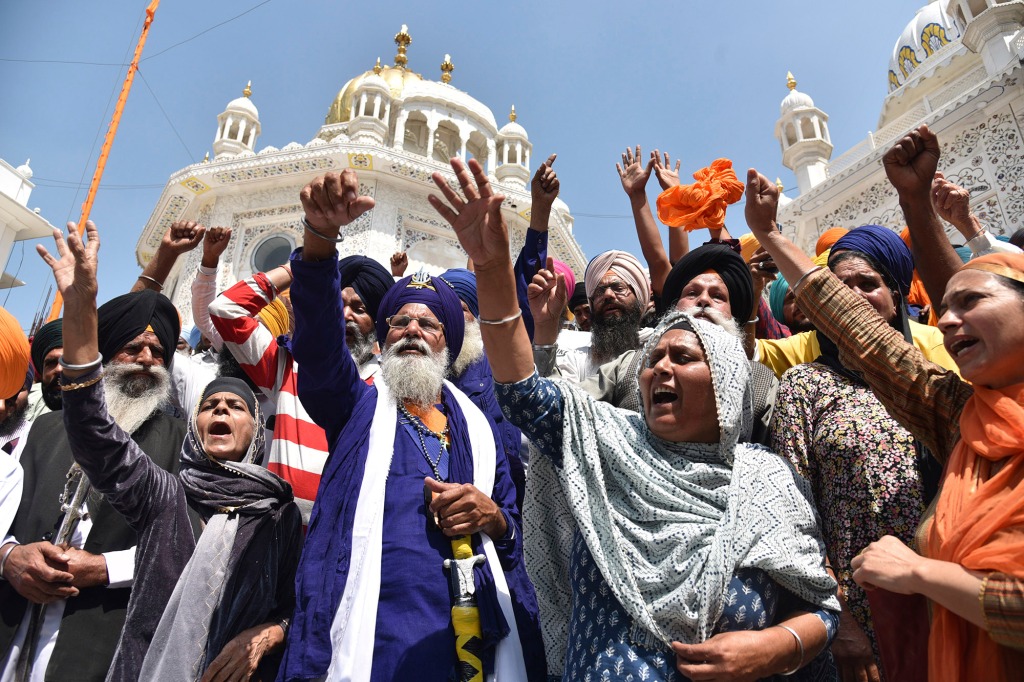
x=979, y=524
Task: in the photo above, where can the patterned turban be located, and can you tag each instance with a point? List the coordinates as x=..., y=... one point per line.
x=721, y=259
x=368, y=278
x=49, y=336
x=438, y=296
x=123, y=318
x=14, y=355
x=624, y=265
x=827, y=239
x=885, y=247
x=464, y=283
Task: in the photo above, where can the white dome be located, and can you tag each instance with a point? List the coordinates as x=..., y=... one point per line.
x=513, y=129
x=243, y=105
x=24, y=170
x=929, y=31
x=795, y=100
x=449, y=97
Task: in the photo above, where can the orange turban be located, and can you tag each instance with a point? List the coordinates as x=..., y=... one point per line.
x=748, y=245
x=14, y=356
x=703, y=203
x=918, y=295
x=274, y=317
x=828, y=238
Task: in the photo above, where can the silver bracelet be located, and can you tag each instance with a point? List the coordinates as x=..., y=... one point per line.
x=78, y=368
x=510, y=318
x=807, y=274
x=754, y=320
x=153, y=280
x=545, y=346
x=3, y=561
x=321, y=235
x=799, y=644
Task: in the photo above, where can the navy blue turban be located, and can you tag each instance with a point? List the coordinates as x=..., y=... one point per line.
x=464, y=283
x=368, y=278
x=885, y=247
x=123, y=318
x=438, y=296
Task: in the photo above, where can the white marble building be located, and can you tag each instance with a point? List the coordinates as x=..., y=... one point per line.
x=18, y=222
x=957, y=66
x=394, y=127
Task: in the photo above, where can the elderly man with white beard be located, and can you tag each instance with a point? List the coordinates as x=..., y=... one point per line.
x=87, y=585
x=414, y=470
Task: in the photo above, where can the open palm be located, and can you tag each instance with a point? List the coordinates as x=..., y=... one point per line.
x=75, y=269
x=476, y=219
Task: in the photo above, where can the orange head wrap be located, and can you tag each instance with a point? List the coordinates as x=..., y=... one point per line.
x=748, y=245
x=1009, y=265
x=703, y=203
x=917, y=295
x=14, y=356
x=828, y=238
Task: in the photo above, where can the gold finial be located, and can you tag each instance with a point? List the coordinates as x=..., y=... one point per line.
x=790, y=81
x=206, y=159
x=512, y=115
x=778, y=183
x=248, y=89
x=378, y=68
x=446, y=69
x=402, y=39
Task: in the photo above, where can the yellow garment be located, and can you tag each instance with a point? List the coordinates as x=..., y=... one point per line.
x=14, y=355
x=781, y=354
x=275, y=317
x=748, y=245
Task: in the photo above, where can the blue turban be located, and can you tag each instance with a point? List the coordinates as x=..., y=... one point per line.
x=964, y=252
x=464, y=283
x=368, y=278
x=777, y=298
x=438, y=296
x=885, y=247
x=195, y=335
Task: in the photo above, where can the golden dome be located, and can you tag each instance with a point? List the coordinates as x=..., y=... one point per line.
x=396, y=78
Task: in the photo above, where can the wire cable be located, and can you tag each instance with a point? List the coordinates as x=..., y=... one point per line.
x=188, y=152
x=226, y=21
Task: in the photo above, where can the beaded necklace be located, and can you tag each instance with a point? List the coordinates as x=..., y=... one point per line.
x=421, y=431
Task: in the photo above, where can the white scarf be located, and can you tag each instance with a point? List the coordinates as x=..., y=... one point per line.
x=352, y=632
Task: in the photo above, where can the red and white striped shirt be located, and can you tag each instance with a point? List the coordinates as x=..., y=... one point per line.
x=298, y=450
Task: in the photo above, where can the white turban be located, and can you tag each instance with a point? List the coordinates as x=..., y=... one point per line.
x=623, y=264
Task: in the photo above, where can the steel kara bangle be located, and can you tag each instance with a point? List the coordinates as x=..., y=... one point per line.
x=316, y=233
x=510, y=318
x=78, y=368
x=800, y=646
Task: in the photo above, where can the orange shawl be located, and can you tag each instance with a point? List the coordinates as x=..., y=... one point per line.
x=979, y=517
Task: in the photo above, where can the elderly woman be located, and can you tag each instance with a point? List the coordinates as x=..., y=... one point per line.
x=683, y=546
x=861, y=464
x=211, y=609
x=969, y=547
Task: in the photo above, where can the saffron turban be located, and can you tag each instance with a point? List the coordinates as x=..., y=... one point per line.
x=464, y=283
x=438, y=296
x=368, y=278
x=729, y=265
x=917, y=295
x=703, y=203
x=275, y=317
x=123, y=318
x=748, y=245
x=49, y=336
x=1009, y=265
x=579, y=296
x=565, y=271
x=827, y=239
x=14, y=355
x=886, y=247
x=624, y=265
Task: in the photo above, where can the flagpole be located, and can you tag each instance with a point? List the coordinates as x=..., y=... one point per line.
x=108, y=141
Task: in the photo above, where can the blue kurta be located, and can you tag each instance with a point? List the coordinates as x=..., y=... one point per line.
x=414, y=636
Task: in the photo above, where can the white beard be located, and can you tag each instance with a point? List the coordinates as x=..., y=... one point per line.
x=719, y=318
x=415, y=378
x=361, y=348
x=131, y=400
x=472, y=348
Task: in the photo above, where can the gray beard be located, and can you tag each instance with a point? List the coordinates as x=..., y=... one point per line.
x=414, y=378
x=610, y=338
x=719, y=318
x=132, y=400
x=472, y=348
x=361, y=348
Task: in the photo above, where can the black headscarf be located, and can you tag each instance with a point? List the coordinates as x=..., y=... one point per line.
x=579, y=296
x=730, y=267
x=49, y=336
x=123, y=318
x=369, y=279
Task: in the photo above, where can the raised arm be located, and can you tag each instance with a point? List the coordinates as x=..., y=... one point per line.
x=544, y=190
x=910, y=166
x=204, y=287
x=678, y=240
x=481, y=230
x=633, y=175
x=181, y=237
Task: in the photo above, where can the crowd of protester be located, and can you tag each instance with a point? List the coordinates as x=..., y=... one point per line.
x=734, y=461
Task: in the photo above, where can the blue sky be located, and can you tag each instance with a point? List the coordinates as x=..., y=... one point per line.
x=701, y=80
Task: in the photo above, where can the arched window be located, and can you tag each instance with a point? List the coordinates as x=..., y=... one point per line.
x=271, y=253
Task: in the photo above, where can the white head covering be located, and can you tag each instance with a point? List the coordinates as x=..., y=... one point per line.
x=623, y=264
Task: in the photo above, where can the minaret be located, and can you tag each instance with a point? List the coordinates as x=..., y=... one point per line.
x=992, y=28
x=237, y=127
x=513, y=150
x=371, y=109
x=802, y=130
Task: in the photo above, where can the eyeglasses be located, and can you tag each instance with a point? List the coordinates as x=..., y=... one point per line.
x=618, y=289
x=427, y=324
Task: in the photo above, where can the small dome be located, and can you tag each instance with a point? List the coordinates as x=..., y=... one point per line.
x=24, y=170
x=244, y=105
x=929, y=31
x=395, y=77
x=795, y=99
x=513, y=129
